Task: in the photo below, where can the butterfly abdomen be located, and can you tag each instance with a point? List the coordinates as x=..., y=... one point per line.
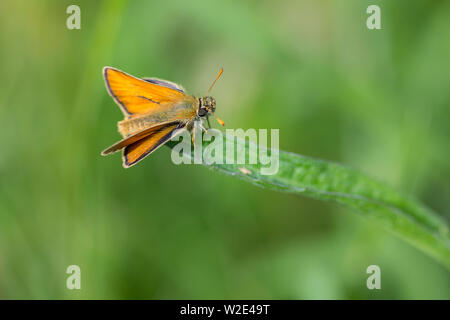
x=129, y=126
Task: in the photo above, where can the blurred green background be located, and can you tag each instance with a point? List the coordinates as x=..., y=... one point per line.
x=377, y=100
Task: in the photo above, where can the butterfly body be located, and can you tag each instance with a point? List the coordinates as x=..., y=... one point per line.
x=154, y=109
x=183, y=111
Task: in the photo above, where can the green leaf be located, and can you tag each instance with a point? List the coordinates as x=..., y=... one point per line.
x=330, y=181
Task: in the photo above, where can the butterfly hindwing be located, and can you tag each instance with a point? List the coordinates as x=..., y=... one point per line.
x=165, y=83
x=133, y=138
x=136, y=151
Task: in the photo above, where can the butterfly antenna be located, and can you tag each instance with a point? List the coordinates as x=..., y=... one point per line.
x=220, y=72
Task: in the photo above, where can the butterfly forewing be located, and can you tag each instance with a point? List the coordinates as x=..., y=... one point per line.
x=138, y=97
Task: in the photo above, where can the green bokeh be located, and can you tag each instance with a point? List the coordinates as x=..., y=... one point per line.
x=377, y=100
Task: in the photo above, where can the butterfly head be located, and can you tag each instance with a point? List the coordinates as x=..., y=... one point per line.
x=207, y=105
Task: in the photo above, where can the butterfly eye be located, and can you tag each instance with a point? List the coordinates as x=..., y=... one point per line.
x=202, y=112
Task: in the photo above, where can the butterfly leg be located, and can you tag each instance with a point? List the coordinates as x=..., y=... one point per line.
x=193, y=134
x=202, y=127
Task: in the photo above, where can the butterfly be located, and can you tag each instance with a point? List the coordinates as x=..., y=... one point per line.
x=154, y=111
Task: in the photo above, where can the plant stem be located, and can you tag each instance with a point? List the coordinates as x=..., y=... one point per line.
x=330, y=181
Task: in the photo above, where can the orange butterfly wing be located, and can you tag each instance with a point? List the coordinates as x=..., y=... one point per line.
x=136, y=151
x=136, y=137
x=138, y=97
